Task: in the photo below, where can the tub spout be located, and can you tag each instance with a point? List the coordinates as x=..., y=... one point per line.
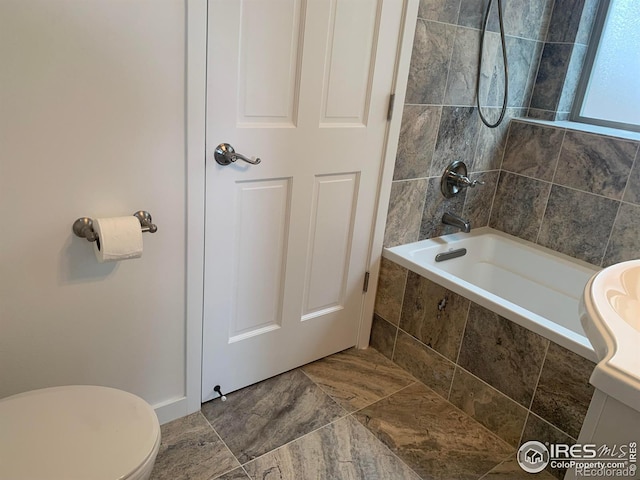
x=454, y=220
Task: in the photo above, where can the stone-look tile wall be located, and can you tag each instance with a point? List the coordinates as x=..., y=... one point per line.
x=562, y=59
x=516, y=383
x=574, y=192
x=440, y=122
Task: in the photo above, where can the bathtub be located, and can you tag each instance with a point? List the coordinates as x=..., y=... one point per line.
x=530, y=285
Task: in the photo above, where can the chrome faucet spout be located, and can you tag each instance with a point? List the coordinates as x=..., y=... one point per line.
x=454, y=220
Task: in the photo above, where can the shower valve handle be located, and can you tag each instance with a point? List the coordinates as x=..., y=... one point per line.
x=455, y=179
x=463, y=181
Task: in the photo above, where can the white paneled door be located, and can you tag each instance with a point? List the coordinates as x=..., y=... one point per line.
x=304, y=86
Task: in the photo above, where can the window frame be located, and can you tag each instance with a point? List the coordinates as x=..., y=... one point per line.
x=585, y=76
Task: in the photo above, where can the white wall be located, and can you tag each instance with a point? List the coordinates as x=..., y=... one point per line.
x=92, y=122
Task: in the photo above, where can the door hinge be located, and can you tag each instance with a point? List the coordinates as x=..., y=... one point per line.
x=365, y=287
x=392, y=100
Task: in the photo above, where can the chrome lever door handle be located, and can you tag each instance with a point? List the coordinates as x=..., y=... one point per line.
x=225, y=154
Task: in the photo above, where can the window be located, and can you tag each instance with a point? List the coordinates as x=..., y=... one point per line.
x=609, y=90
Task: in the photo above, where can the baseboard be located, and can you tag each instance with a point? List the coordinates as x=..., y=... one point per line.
x=171, y=409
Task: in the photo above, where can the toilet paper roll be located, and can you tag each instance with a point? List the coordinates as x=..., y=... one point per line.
x=119, y=238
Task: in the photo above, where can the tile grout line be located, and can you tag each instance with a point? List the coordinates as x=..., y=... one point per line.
x=634, y=164
x=557, y=162
x=529, y=177
x=323, y=390
x=376, y=438
x=320, y=386
x=321, y=427
x=467, y=27
x=501, y=393
x=224, y=443
x=507, y=136
x=404, y=290
x=413, y=380
x=546, y=204
x=453, y=379
x=449, y=402
x=429, y=348
x=526, y=421
x=536, y=122
x=342, y=417
x=389, y=450
x=529, y=411
x=294, y=440
x=473, y=160
x=464, y=330
x=395, y=341
x=302, y=436
x=417, y=381
x=352, y=414
x=456, y=363
x=493, y=198
x=544, y=361
x=500, y=169
x=619, y=135
x=493, y=434
x=550, y=425
x=429, y=177
x=568, y=187
x=423, y=205
x=446, y=83
x=606, y=247
x=504, y=460
x=537, y=67
x=532, y=75
x=297, y=438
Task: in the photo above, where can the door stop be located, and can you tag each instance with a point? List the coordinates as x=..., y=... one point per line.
x=217, y=389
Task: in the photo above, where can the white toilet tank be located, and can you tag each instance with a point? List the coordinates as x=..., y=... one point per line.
x=77, y=432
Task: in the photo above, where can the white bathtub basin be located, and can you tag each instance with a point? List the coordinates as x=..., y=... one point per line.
x=530, y=285
x=610, y=315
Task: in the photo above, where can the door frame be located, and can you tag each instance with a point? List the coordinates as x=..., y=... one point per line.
x=195, y=123
x=401, y=74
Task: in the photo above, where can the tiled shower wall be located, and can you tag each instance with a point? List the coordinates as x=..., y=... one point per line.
x=440, y=122
x=562, y=59
x=574, y=192
x=441, y=125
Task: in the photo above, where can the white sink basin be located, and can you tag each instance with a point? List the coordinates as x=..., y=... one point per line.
x=610, y=316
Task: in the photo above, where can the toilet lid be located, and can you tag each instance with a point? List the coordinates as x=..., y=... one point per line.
x=75, y=432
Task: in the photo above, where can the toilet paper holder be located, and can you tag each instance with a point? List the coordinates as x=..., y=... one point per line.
x=83, y=226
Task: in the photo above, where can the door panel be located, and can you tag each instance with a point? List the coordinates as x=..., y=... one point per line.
x=304, y=85
x=269, y=63
x=332, y=217
x=348, y=76
x=262, y=229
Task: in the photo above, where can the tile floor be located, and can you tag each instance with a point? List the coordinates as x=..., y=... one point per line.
x=353, y=415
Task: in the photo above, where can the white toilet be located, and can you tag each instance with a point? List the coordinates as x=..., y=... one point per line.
x=77, y=432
